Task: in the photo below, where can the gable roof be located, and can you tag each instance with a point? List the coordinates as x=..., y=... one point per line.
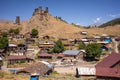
x=60, y=55
x=40, y=68
x=71, y=52
x=12, y=45
x=48, y=42
x=16, y=57
x=109, y=61
x=44, y=55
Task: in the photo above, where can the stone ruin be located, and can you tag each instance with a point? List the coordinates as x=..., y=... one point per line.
x=17, y=21
x=40, y=12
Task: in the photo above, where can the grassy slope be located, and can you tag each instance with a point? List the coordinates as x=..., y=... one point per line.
x=57, y=28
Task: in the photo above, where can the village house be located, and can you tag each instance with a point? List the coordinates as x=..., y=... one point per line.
x=19, y=36
x=46, y=45
x=18, y=59
x=97, y=38
x=29, y=41
x=12, y=47
x=41, y=68
x=104, y=35
x=105, y=45
x=44, y=56
x=32, y=51
x=28, y=35
x=19, y=49
x=109, y=67
x=84, y=32
x=73, y=54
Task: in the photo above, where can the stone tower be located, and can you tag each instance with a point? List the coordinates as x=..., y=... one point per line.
x=17, y=21
x=46, y=10
x=38, y=11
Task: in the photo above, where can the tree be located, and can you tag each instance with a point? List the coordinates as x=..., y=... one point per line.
x=58, y=47
x=11, y=31
x=3, y=43
x=93, y=51
x=34, y=32
x=118, y=47
x=81, y=46
x=4, y=34
x=16, y=31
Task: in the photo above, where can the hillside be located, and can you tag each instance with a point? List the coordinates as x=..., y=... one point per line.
x=111, y=23
x=46, y=24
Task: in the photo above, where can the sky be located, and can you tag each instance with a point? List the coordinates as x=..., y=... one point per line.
x=80, y=12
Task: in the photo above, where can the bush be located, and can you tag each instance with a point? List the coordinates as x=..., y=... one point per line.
x=1, y=75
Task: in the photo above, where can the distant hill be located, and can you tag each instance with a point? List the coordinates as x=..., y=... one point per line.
x=111, y=23
x=5, y=21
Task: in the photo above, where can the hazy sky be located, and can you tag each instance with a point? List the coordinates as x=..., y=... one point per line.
x=83, y=12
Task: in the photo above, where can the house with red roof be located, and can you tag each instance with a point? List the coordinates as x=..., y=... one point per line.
x=109, y=67
x=44, y=56
x=18, y=58
x=60, y=56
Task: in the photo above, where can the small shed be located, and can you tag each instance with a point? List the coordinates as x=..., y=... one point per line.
x=84, y=32
x=97, y=37
x=85, y=71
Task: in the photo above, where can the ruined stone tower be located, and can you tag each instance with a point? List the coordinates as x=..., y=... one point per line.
x=39, y=11
x=17, y=21
x=46, y=10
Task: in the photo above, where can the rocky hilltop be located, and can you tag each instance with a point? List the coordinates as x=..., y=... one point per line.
x=49, y=25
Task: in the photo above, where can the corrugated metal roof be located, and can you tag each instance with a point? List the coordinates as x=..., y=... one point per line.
x=86, y=71
x=12, y=45
x=107, y=67
x=71, y=52
x=48, y=64
x=1, y=59
x=109, y=61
